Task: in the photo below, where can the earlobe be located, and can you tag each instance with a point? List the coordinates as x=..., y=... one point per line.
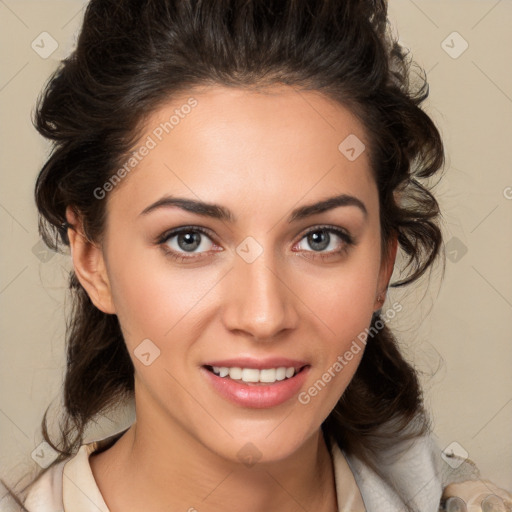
x=89, y=264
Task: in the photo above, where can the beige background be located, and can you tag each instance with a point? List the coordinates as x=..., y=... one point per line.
x=459, y=335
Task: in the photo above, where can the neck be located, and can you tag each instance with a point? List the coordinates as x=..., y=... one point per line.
x=152, y=466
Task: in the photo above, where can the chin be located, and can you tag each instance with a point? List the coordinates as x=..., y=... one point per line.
x=263, y=446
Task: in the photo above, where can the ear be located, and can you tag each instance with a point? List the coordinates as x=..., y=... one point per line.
x=89, y=264
x=386, y=270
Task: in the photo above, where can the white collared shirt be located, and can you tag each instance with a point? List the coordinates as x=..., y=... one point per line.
x=416, y=478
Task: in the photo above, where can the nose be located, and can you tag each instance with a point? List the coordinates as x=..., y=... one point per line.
x=260, y=302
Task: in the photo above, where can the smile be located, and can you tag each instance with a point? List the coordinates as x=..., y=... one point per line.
x=259, y=388
x=254, y=375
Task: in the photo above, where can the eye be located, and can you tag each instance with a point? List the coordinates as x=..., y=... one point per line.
x=322, y=241
x=192, y=242
x=186, y=240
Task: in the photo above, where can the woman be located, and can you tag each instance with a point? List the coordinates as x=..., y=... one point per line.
x=234, y=180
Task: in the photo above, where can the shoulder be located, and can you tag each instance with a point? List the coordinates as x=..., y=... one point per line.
x=400, y=480
x=69, y=484
x=64, y=484
x=412, y=474
x=45, y=494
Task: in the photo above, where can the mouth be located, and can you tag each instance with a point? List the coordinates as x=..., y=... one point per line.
x=256, y=376
x=256, y=383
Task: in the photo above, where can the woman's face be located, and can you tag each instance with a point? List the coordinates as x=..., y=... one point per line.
x=258, y=277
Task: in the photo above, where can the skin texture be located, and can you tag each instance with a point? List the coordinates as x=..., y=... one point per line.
x=260, y=154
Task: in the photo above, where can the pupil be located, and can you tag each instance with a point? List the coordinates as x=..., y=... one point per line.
x=191, y=241
x=319, y=240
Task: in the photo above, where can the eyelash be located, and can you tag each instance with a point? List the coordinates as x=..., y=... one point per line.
x=348, y=241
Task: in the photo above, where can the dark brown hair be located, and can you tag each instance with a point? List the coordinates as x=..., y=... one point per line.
x=134, y=55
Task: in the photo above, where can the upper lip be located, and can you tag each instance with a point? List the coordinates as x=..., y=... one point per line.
x=258, y=364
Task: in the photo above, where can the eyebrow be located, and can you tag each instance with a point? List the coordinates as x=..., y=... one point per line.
x=216, y=211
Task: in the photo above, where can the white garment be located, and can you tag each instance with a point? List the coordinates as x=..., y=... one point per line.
x=70, y=486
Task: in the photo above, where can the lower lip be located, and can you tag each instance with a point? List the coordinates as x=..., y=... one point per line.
x=258, y=396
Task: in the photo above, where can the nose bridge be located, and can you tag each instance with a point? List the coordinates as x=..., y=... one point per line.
x=259, y=302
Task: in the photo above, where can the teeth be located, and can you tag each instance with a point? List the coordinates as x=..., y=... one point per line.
x=281, y=373
x=267, y=375
x=235, y=373
x=250, y=375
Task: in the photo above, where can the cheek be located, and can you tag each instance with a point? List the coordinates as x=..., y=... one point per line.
x=345, y=297
x=343, y=306
x=344, y=300
x=345, y=311
x=154, y=298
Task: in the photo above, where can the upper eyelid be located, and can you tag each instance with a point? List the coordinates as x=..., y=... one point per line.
x=326, y=227
x=167, y=235
x=170, y=233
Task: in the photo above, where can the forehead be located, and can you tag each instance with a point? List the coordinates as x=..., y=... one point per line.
x=220, y=143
